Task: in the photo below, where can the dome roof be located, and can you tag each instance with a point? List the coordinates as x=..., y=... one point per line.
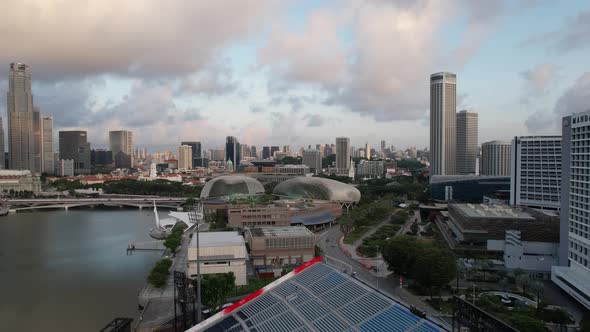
x=229, y=185
x=317, y=188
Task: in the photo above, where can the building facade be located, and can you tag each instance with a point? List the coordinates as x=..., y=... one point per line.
x=370, y=169
x=19, y=181
x=280, y=246
x=467, y=145
x=233, y=151
x=313, y=160
x=219, y=252
x=73, y=144
x=65, y=167
x=443, y=108
x=20, y=118
x=185, y=157
x=573, y=274
x=47, y=160
x=122, y=141
x=196, y=153
x=342, y=155
x=535, y=167
x=37, y=141
x=495, y=158
x=2, y=157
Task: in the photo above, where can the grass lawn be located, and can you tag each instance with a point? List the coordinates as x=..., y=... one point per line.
x=356, y=234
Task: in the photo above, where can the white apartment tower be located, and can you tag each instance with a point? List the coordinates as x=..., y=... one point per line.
x=20, y=118
x=368, y=151
x=342, y=155
x=313, y=159
x=573, y=274
x=443, y=108
x=47, y=158
x=467, y=146
x=495, y=158
x=535, y=172
x=185, y=157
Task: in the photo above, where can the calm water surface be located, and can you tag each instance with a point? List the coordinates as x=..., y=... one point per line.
x=68, y=271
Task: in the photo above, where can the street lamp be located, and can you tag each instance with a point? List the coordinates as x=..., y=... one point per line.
x=195, y=215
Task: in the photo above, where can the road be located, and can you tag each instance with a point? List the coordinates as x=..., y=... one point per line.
x=389, y=285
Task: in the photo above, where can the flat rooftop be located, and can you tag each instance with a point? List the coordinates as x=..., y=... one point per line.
x=280, y=231
x=491, y=211
x=218, y=239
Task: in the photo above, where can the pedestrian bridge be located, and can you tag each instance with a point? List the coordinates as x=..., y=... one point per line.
x=17, y=205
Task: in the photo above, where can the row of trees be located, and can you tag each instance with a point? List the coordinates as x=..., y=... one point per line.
x=428, y=264
x=132, y=187
x=159, y=273
x=215, y=289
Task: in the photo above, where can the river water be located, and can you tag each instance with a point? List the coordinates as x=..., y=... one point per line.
x=69, y=271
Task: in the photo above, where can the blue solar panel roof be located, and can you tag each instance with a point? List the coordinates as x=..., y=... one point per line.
x=319, y=298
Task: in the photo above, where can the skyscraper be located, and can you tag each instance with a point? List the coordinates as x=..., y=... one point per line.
x=2, y=161
x=37, y=141
x=266, y=152
x=253, y=152
x=466, y=142
x=73, y=144
x=232, y=151
x=573, y=274
x=535, y=167
x=47, y=145
x=495, y=158
x=195, y=153
x=312, y=159
x=382, y=148
x=20, y=117
x=274, y=149
x=122, y=141
x=342, y=155
x=368, y=151
x=443, y=108
x=185, y=157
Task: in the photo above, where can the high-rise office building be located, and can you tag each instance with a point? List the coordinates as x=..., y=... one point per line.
x=253, y=152
x=2, y=160
x=266, y=152
x=101, y=157
x=121, y=141
x=185, y=157
x=287, y=149
x=382, y=149
x=73, y=145
x=217, y=155
x=20, y=117
x=443, y=108
x=37, y=141
x=342, y=155
x=313, y=160
x=573, y=274
x=232, y=151
x=195, y=152
x=47, y=158
x=466, y=142
x=535, y=168
x=495, y=158
x=368, y=151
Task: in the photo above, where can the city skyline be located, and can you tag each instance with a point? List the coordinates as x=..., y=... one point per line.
x=246, y=82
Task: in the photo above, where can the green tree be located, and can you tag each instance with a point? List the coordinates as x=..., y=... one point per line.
x=215, y=289
x=400, y=253
x=174, y=240
x=434, y=267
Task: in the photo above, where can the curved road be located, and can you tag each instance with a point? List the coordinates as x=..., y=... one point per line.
x=388, y=285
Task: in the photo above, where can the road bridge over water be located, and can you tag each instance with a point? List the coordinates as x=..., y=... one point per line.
x=16, y=205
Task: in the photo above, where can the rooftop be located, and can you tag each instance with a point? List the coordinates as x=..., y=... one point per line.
x=316, y=297
x=280, y=231
x=491, y=211
x=218, y=239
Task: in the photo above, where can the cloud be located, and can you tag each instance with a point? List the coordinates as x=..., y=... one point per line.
x=215, y=79
x=541, y=122
x=574, y=35
x=137, y=38
x=538, y=80
x=315, y=120
x=575, y=99
x=256, y=109
x=374, y=57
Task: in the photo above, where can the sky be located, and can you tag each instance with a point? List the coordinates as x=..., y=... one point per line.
x=297, y=72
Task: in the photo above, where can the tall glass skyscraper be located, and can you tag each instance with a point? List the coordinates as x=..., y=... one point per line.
x=20, y=117
x=342, y=155
x=466, y=142
x=443, y=108
x=233, y=151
